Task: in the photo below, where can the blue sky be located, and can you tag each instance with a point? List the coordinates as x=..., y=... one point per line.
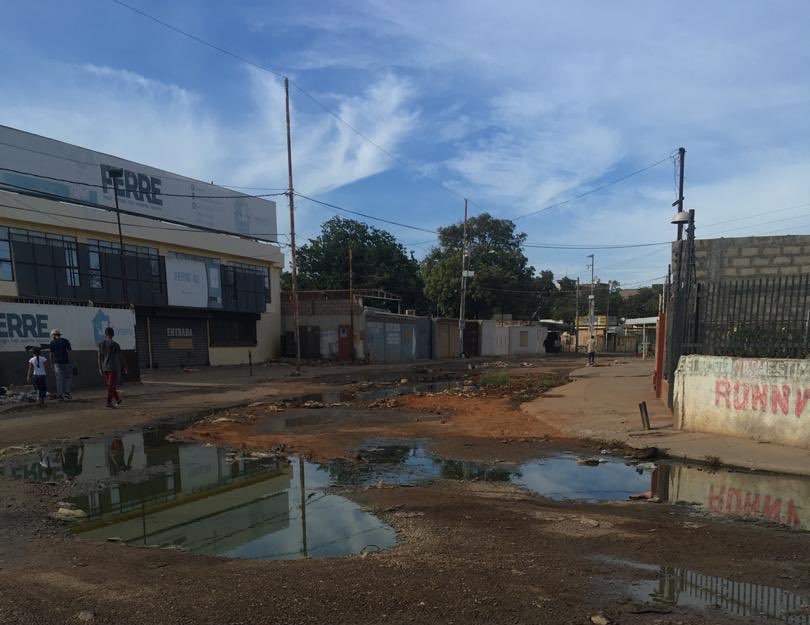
x=516, y=105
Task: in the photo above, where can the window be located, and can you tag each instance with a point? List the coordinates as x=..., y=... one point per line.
x=97, y=246
x=262, y=269
x=63, y=241
x=6, y=268
x=233, y=331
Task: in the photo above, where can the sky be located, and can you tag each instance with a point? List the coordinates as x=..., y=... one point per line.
x=515, y=105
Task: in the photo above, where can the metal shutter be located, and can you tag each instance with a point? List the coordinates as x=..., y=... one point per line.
x=179, y=342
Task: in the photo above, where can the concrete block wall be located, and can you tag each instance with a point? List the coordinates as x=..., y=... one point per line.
x=749, y=257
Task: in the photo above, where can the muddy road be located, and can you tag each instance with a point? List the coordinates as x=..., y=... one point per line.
x=414, y=497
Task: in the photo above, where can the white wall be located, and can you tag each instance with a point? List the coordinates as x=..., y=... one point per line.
x=759, y=398
x=506, y=340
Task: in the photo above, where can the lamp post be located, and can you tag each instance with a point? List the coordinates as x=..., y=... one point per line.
x=115, y=174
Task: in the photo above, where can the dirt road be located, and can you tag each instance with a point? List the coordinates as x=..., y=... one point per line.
x=469, y=550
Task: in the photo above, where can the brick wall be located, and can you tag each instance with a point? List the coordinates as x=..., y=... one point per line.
x=747, y=257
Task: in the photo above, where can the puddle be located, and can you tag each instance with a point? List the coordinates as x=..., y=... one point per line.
x=692, y=589
x=779, y=499
x=408, y=462
x=142, y=490
x=561, y=477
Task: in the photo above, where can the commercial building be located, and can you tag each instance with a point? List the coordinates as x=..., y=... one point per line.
x=177, y=296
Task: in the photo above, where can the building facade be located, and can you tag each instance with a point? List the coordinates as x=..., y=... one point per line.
x=180, y=297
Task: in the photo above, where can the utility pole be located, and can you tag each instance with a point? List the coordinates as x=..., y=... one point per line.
x=591, y=302
x=463, y=285
x=607, y=316
x=291, y=195
x=576, y=321
x=351, y=304
x=679, y=201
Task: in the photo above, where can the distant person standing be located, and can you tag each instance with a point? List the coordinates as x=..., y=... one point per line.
x=63, y=365
x=110, y=365
x=591, y=351
x=38, y=374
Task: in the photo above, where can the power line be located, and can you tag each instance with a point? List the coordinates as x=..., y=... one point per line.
x=552, y=246
x=354, y=212
x=297, y=87
x=594, y=190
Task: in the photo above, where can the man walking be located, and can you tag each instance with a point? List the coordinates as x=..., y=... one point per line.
x=110, y=365
x=63, y=366
x=591, y=351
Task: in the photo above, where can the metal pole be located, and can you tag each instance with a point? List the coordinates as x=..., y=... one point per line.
x=351, y=305
x=116, y=173
x=291, y=195
x=681, y=159
x=607, y=316
x=463, y=285
x=576, y=321
x=591, y=303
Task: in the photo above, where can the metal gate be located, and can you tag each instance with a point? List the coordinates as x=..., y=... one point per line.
x=179, y=342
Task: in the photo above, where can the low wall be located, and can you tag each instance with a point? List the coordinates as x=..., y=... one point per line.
x=762, y=399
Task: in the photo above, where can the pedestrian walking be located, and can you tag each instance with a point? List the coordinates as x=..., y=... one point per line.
x=64, y=368
x=110, y=366
x=591, y=351
x=38, y=374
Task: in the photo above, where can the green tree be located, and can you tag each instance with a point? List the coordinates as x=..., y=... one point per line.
x=379, y=261
x=643, y=303
x=503, y=281
x=564, y=301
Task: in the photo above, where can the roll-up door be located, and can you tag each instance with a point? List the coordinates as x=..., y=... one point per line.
x=142, y=341
x=179, y=342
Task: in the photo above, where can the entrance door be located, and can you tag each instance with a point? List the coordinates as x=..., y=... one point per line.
x=344, y=343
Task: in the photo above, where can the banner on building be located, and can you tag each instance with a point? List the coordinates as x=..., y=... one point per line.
x=186, y=282
x=35, y=164
x=23, y=325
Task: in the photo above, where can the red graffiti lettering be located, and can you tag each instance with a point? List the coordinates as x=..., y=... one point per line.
x=792, y=515
x=751, y=505
x=740, y=399
x=735, y=496
x=716, y=500
x=780, y=399
x=772, y=509
x=722, y=390
x=759, y=397
x=801, y=400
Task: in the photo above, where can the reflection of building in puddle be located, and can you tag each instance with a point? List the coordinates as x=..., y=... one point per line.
x=781, y=499
x=687, y=588
x=210, y=521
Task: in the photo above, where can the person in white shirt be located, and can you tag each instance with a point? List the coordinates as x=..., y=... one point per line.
x=591, y=351
x=38, y=374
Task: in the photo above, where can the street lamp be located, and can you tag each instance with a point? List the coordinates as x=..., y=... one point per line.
x=115, y=174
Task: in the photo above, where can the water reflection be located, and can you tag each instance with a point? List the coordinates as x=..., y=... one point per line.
x=682, y=587
x=562, y=477
x=143, y=490
x=781, y=499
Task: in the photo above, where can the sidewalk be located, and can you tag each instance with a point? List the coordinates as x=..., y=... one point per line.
x=602, y=403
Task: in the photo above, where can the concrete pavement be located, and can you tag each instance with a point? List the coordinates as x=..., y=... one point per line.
x=602, y=403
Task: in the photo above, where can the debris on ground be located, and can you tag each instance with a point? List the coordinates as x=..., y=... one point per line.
x=591, y=462
x=312, y=404
x=598, y=619
x=68, y=514
x=389, y=402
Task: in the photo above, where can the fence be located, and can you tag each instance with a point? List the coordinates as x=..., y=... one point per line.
x=757, y=317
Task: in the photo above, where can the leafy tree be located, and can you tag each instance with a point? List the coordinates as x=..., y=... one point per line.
x=643, y=303
x=379, y=261
x=564, y=301
x=503, y=281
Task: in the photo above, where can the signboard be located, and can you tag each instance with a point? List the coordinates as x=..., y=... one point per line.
x=186, y=282
x=143, y=190
x=83, y=326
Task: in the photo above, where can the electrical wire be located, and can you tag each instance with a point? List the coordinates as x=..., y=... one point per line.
x=590, y=191
x=366, y=215
x=297, y=87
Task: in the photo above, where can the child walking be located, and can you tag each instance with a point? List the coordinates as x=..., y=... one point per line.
x=37, y=373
